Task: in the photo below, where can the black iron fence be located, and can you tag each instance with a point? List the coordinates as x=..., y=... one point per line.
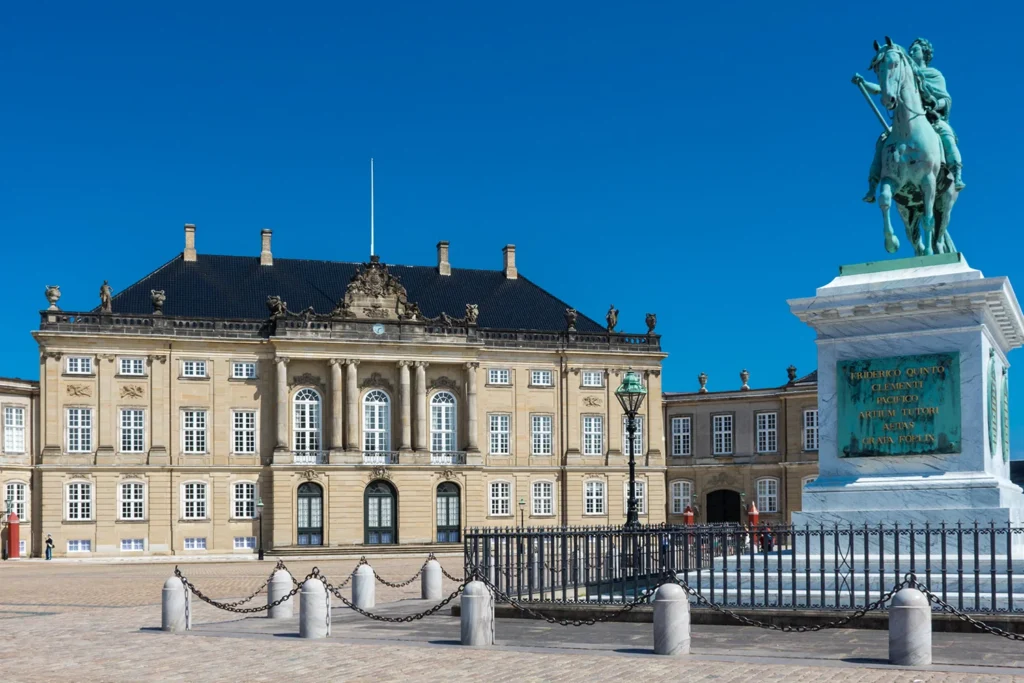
x=798, y=567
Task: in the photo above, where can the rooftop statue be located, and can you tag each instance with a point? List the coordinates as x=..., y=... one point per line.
x=916, y=160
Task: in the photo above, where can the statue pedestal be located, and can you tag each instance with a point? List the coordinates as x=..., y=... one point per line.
x=911, y=358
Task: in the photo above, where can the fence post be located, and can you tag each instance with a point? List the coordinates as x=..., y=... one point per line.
x=314, y=610
x=910, y=628
x=176, y=612
x=477, y=619
x=430, y=580
x=364, y=587
x=671, y=620
x=280, y=585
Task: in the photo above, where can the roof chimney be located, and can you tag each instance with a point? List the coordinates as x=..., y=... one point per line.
x=190, y=242
x=509, y=251
x=443, y=267
x=266, y=257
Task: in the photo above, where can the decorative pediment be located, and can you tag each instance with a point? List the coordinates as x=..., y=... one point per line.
x=306, y=379
x=374, y=293
x=378, y=381
x=443, y=382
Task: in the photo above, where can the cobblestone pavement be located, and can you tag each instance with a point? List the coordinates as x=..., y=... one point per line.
x=88, y=622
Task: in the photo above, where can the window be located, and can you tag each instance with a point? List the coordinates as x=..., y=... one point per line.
x=80, y=546
x=21, y=548
x=501, y=498
x=245, y=500
x=500, y=430
x=243, y=431
x=376, y=421
x=806, y=481
x=447, y=513
x=593, y=378
x=194, y=500
x=593, y=497
x=79, y=365
x=133, y=431
x=767, y=432
x=722, y=428
x=543, y=498
x=540, y=378
x=499, y=376
x=638, y=438
x=133, y=500
x=195, y=543
x=811, y=429
x=593, y=435
x=641, y=496
x=306, y=421
x=14, y=429
x=18, y=493
x=79, y=501
x=132, y=366
x=768, y=495
x=541, y=425
x=193, y=425
x=245, y=542
x=133, y=544
x=79, y=430
x=681, y=442
x=193, y=368
x=442, y=423
x=244, y=370
x=682, y=496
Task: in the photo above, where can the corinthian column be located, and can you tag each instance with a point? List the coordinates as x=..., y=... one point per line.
x=403, y=374
x=281, y=447
x=351, y=407
x=421, y=406
x=337, y=437
x=471, y=445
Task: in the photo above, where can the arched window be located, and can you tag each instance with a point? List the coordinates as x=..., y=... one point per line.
x=381, y=517
x=306, y=421
x=376, y=421
x=448, y=513
x=442, y=423
x=310, y=514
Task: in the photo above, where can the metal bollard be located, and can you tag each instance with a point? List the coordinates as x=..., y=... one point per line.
x=280, y=585
x=176, y=612
x=671, y=620
x=364, y=587
x=430, y=581
x=910, y=628
x=477, y=620
x=314, y=610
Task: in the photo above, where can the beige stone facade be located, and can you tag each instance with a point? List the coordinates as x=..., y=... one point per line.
x=19, y=408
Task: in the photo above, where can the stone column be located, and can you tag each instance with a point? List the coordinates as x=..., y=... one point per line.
x=281, y=445
x=351, y=407
x=405, y=444
x=421, y=406
x=337, y=436
x=472, y=422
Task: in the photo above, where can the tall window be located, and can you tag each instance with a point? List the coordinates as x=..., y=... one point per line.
x=543, y=498
x=442, y=423
x=767, y=432
x=681, y=437
x=306, y=421
x=18, y=493
x=79, y=501
x=593, y=497
x=682, y=496
x=79, y=430
x=131, y=366
x=193, y=428
x=245, y=500
x=593, y=378
x=768, y=495
x=133, y=500
x=811, y=429
x=722, y=428
x=500, y=434
x=376, y=421
x=638, y=438
x=79, y=365
x=193, y=497
x=243, y=431
x=447, y=513
x=193, y=368
x=593, y=435
x=501, y=498
x=541, y=437
x=133, y=431
x=641, y=496
x=14, y=429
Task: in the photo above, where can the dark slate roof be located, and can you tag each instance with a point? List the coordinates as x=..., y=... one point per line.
x=811, y=378
x=237, y=287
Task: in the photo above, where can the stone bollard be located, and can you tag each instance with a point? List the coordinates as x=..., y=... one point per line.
x=671, y=620
x=477, y=615
x=280, y=585
x=430, y=580
x=910, y=628
x=314, y=610
x=364, y=586
x=176, y=613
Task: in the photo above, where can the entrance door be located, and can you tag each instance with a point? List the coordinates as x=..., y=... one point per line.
x=381, y=514
x=448, y=513
x=723, y=507
x=311, y=514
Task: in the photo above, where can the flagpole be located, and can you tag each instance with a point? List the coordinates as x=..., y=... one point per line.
x=371, y=207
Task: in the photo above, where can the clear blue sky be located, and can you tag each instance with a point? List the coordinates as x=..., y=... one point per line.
x=703, y=162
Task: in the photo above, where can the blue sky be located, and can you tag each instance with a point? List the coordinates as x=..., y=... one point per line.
x=702, y=162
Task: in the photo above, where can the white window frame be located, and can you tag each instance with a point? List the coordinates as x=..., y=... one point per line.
x=595, y=494
x=542, y=498
x=593, y=435
x=131, y=366
x=82, y=545
x=592, y=379
x=542, y=429
x=132, y=431
x=767, y=424
x=722, y=434
x=444, y=422
x=21, y=502
x=244, y=495
x=641, y=496
x=810, y=429
x=499, y=376
x=80, y=508
x=196, y=428
x=499, y=498
x=131, y=542
x=638, y=442
x=79, y=365
x=79, y=434
x=194, y=369
x=500, y=433
x=14, y=429
x=307, y=421
x=541, y=378
x=767, y=498
x=681, y=491
x=247, y=543
x=243, y=369
x=377, y=438
x=244, y=426
x=807, y=480
x=200, y=504
x=132, y=504
x=682, y=436
x=195, y=543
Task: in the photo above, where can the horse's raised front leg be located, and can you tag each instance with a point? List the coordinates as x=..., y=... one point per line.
x=885, y=192
x=926, y=241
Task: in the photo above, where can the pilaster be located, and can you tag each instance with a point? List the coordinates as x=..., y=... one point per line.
x=473, y=455
x=159, y=402
x=351, y=406
x=337, y=407
x=405, y=444
x=421, y=407
x=106, y=412
x=281, y=454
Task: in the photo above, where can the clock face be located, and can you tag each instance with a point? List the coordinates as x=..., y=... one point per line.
x=378, y=329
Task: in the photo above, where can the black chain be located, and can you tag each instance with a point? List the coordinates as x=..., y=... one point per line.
x=395, y=620
x=456, y=579
x=946, y=607
x=402, y=584
x=232, y=606
x=505, y=597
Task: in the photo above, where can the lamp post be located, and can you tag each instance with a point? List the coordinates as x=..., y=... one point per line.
x=522, y=510
x=259, y=514
x=631, y=394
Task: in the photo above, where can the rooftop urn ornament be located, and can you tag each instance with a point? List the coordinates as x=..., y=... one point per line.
x=631, y=394
x=652, y=322
x=744, y=377
x=106, y=298
x=703, y=379
x=791, y=372
x=570, y=319
x=53, y=296
x=158, y=298
x=612, y=317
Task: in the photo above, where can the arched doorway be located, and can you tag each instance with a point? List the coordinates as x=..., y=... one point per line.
x=448, y=513
x=381, y=514
x=310, y=514
x=723, y=506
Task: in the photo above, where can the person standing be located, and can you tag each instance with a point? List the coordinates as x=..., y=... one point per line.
x=49, y=547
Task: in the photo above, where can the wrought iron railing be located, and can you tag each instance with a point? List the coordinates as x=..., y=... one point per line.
x=447, y=458
x=309, y=457
x=380, y=457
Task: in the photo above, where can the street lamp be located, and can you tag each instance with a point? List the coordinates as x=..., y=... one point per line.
x=259, y=514
x=522, y=510
x=631, y=394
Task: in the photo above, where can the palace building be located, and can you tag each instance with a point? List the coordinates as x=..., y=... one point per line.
x=344, y=404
